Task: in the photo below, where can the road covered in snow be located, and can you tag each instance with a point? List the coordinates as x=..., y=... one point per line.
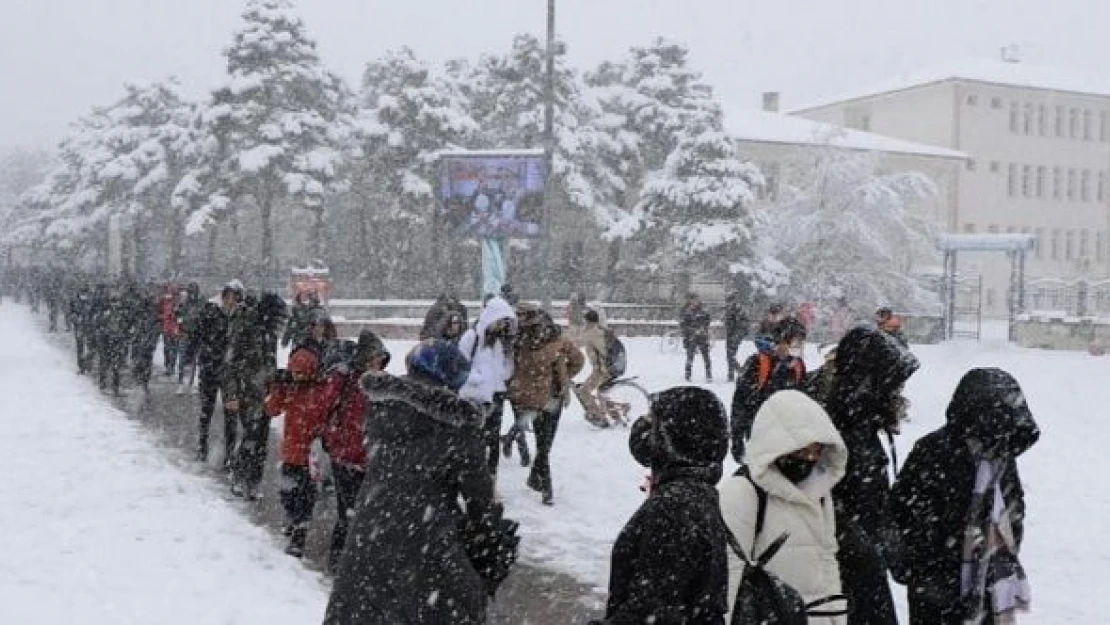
x=99, y=528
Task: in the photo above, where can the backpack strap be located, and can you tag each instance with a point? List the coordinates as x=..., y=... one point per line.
x=761, y=498
x=810, y=611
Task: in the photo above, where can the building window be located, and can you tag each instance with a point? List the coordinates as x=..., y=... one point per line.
x=1100, y=241
x=1041, y=171
x=1057, y=183
x=1071, y=185
x=1085, y=185
x=992, y=229
x=1011, y=229
x=972, y=99
x=1104, y=126
x=771, y=175
x=1088, y=130
x=970, y=164
x=1069, y=245
x=865, y=122
x=969, y=228
x=1011, y=180
x=1073, y=123
x=1015, y=114
x=1101, y=186
x=1038, y=243
x=1027, y=120
x=1042, y=121
x=1027, y=181
x=1059, y=121
x=1084, y=242
x=1054, y=249
x=995, y=167
x=996, y=103
x=990, y=298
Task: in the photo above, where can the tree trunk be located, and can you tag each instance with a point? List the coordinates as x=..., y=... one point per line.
x=213, y=239
x=612, y=262
x=316, y=237
x=175, y=233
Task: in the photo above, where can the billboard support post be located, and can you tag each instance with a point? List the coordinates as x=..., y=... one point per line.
x=548, y=240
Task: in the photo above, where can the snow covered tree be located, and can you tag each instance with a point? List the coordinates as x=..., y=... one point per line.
x=409, y=115
x=278, y=120
x=849, y=230
x=697, y=210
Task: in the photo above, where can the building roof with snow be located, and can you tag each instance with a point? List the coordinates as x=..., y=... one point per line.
x=1001, y=73
x=767, y=127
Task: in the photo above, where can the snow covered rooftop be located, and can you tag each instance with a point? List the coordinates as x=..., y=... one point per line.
x=984, y=71
x=766, y=127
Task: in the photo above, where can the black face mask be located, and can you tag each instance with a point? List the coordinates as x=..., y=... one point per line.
x=795, y=469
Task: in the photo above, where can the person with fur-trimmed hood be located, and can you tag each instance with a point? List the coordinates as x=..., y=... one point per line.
x=866, y=404
x=959, y=507
x=795, y=456
x=407, y=559
x=669, y=563
x=488, y=347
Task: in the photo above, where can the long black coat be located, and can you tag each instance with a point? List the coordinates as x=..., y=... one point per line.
x=670, y=562
x=404, y=562
x=931, y=498
x=751, y=392
x=694, y=324
x=871, y=369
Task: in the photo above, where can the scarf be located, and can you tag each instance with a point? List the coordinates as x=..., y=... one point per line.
x=993, y=586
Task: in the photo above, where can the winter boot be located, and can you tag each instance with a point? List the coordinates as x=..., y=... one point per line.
x=507, y=445
x=525, y=455
x=548, y=498
x=202, y=451
x=297, y=540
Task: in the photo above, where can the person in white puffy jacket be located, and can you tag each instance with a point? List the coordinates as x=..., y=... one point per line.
x=796, y=456
x=489, y=348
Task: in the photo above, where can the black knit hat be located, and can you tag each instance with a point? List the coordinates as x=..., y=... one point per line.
x=370, y=346
x=692, y=424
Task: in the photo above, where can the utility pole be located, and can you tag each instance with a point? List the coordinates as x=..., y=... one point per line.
x=547, y=243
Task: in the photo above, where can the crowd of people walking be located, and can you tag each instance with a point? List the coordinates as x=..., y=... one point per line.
x=807, y=529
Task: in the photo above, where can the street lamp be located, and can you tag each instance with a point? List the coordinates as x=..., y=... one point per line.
x=546, y=254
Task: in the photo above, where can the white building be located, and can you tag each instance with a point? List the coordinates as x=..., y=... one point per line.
x=1039, y=139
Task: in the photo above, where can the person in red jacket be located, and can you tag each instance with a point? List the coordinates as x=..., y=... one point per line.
x=344, y=433
x=171, y=329
x=297, y=393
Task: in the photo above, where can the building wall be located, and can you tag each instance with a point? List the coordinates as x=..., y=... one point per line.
x=1041, y=165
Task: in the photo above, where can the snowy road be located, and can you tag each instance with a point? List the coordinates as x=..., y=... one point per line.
x=98, y=528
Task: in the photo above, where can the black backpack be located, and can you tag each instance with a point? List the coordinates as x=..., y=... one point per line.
x=763, y=598
x=616, y=358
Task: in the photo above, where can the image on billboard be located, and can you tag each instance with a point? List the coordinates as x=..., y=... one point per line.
x=493, y=195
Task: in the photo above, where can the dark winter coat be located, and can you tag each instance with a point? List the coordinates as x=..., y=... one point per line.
x=694, y=325
x=871, y=369
x=209, y=337
x=302, y=316
x=670, y=562
x=736, y=320
x=752, y=389
x=405, y=562
x=436, y=318
x=249, y=359
x=937, y=482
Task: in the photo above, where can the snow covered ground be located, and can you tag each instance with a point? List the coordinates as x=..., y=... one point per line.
x=1065, y=553
x=98, y=527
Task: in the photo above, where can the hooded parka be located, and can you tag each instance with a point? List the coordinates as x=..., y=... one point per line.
x=937, y=483
x=405, y=562
x=789, y=421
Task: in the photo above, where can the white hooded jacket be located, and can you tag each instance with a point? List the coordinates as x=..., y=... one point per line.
x=787, y=422
x=491, y=366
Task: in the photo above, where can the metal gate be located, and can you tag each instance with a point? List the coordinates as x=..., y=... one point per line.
x=967, y=314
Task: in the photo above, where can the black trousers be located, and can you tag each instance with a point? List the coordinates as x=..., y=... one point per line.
x=110, y=362
x=250, y=455
x=732, y=347
x=297, y=493
x=545, y=425
x=209, y=390
x=52, y=312
x=142, y=358
x=84, y=350
x=492, y=431
x=348, y=481
x=171, y=346
x=693, y=348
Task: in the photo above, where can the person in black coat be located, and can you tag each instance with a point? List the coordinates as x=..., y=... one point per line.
x=670, y=562
x=694, y=324
x=407, y=558
x=988, y=419
x=866, y=403
x=768, y=371
x=736, y=330
x=435, y=320
x=208, y=339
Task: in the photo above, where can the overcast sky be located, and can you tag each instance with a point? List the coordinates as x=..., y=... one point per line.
x=60, y=57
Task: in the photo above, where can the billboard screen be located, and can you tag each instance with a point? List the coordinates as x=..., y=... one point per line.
x=493, y=195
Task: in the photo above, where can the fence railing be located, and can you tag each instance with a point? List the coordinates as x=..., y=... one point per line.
x=1079, y=298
